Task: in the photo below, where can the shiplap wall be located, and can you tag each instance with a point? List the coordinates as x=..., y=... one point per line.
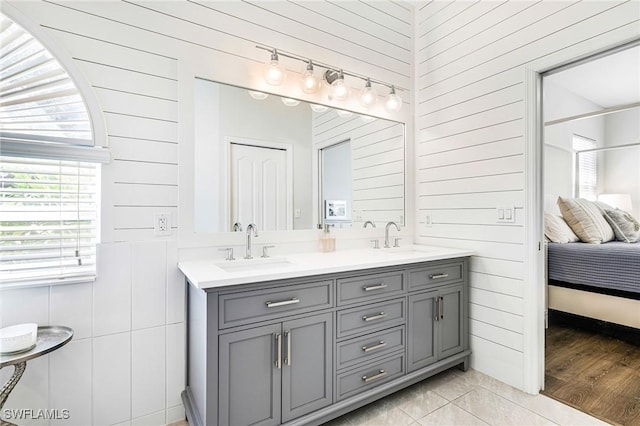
x=140, y=58
x=471, y=59
x=378, y=164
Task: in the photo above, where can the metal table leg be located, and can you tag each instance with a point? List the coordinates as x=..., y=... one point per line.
x=8, y=387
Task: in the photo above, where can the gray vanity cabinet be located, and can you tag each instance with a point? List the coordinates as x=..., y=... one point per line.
x=436, y=326
x=304, y=350
x=273, y=374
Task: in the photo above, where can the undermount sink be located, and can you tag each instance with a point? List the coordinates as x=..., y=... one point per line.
x=259, y=264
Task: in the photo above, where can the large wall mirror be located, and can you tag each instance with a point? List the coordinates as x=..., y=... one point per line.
x=285, y=164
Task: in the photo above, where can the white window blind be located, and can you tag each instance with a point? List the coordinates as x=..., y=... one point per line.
x=49, y=171
x=586, y=167
x=48, y=219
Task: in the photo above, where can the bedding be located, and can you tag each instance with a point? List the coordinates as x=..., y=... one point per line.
x=586, y=220
x=611, y=266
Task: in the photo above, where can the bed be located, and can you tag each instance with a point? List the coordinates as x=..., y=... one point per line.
x=600, y=281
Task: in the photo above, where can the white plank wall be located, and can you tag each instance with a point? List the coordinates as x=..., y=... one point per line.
x=131, y=54
x=470, y=123
x=378, y=164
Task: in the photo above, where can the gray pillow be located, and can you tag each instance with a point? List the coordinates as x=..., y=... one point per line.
x=623, y=224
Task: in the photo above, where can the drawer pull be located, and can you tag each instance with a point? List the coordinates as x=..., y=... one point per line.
x=374, y=317
x=379, y=345
x=437, y=276
x=380, y=375
x=291, y=301
x=374, y=287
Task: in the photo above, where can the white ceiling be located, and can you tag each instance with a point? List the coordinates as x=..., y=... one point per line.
x=608, y=81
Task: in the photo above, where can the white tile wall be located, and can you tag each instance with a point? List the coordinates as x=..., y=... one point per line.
x=148, y=366
x=175, y=286
x=112, y=289
x=25, y=305
x=111, y=379
x=72, y=305
x=176, y=355
x=70, y=382
x=149, y=284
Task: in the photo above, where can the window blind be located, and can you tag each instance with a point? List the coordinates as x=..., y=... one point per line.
x=48, y=219
x=38, y=98
x=587, y=167
x=49, y=171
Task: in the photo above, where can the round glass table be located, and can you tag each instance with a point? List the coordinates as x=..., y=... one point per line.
x=49, y=339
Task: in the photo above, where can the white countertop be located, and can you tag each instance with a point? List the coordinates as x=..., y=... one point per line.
x=214, y=273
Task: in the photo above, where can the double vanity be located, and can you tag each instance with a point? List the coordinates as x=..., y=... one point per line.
x=308, y=337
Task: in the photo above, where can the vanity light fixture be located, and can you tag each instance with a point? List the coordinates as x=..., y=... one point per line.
x=333, y=77
x=318, y=108
x=274, y=75
x=310, y=83
x=368, y=95
x=258, y=96
x=290, y=102
x=394, y=102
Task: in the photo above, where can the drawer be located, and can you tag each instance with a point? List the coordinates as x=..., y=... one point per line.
x=370, y=287
x=369, y=318
x=259, y=305
x=365, y=378
x=444, y=273
x=374, y=345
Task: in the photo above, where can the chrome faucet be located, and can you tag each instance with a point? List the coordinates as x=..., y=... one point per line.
x=237, y=227
x=386, y=233
x=373, y=225
x=250, y=227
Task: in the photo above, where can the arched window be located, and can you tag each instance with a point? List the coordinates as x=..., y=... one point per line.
x=49, y=167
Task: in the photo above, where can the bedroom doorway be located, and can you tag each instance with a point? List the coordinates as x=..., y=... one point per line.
x=591, y=151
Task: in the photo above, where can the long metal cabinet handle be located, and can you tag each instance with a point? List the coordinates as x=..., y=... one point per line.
x=374, y=287
x=291, y=301
x=379, y=345
x=287, y=358
x=374, y=317
x=436, y=301
x=437, y=276
x=278, y=350
x=380, y=374
x=441, y=307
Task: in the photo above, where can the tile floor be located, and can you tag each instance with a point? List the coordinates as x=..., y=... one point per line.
x=471, y=398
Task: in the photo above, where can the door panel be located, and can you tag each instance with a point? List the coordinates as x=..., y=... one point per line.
x=258, y=186
x=451, y=339
x=421, y=333
x=306, y=375
x=249, y=385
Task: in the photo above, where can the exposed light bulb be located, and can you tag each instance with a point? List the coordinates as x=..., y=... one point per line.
x=318, y=108
x=394, y=102
x=290, y=102
x=310, y=83
x=340, y=91
x=368, y=95
x=273, y=73
x=259, y=96
x=344, y=114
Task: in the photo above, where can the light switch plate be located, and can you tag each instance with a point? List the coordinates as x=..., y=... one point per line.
x=505, y=214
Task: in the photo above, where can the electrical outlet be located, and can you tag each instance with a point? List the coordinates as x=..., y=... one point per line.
x=161, y=224
x=428, y=221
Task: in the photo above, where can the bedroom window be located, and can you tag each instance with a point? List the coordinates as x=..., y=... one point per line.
x=49, y=168
x=586, y=167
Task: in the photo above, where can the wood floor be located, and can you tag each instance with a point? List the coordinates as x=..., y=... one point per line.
x=596, y=374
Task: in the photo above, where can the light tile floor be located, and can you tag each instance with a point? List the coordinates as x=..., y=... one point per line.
x=472, y=398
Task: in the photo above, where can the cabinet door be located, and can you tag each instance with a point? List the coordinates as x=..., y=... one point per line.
x=307, y=365
x=451, y=324
x=421, y=331
x=249, y=380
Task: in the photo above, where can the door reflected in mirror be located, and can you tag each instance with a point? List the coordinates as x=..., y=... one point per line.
x=288, y=166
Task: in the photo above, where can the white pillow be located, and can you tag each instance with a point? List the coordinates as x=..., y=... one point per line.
x=557, y=230
x=586, y=220
x=624, y=225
